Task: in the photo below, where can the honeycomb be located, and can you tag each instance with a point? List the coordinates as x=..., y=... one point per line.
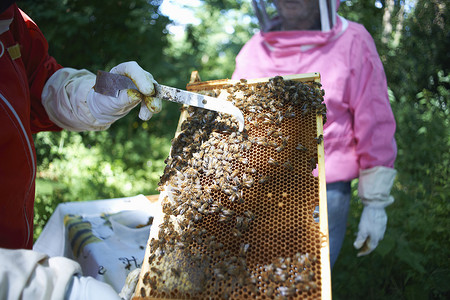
x=237, y=208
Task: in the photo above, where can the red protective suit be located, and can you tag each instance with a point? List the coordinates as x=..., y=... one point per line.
x=25, y=66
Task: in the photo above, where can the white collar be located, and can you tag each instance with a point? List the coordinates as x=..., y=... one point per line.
x=4, y=25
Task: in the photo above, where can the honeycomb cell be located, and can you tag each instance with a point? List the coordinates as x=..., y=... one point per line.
x=238, y=205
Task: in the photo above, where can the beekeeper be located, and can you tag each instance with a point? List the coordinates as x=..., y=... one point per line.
x=308, y=36
x=37, y=94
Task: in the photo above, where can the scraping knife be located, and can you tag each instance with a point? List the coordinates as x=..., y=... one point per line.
x=111, y=84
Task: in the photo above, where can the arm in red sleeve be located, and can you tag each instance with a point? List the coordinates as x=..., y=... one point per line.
x=39, y=66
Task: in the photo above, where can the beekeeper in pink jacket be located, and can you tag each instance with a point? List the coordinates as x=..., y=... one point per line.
x=308, y=36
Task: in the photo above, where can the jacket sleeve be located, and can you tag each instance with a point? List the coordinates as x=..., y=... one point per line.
x=39, y=66
x=27, y=274
x=374, y=123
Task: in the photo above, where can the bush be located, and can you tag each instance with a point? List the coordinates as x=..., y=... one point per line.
x=412, y=260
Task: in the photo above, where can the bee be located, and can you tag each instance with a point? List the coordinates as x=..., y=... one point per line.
x=270, y=131
x=197, y=217
x=287, y=164
x=243, y=160
x=227, y=191
x=212, y=246
x=246, y=145
x=234, y=148
x=195, y=204
x=315, y=214
x=313, y=163
x=301, y=148
x=236, y=232
x=210, y=172
x=248, y=181
x=251, y=170
x=214, y=187
x=175, y=272
x=233, y=270
x=224, y=219
x=280, y=148
x=287, y=291
x=272, y=107
x=243, y=250
x=277, y=133
x=268, y=122
x=216, y=207
x=236, y=181
x=280, y=119
x=272, y=162
x=249, y=215
x=239, y=221
x=143, y=295
x=313, y=285
x=191, y=172
x=235, y=173
x=235, y=196
x=269, y=291
x=264, y=179
x=261, y=141
x=305, y=109
x=319, y=139
x=203, y=208
x=145, y=280
x=228, y=212
x=280, y=277
x=156, y=270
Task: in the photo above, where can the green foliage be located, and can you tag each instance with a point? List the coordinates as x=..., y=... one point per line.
x=211, y=46
x=96, y=165
x=99, y=35
x=412, y=260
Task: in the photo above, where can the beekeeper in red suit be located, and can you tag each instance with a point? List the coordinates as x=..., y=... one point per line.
x=308, y=36
x=37, y=94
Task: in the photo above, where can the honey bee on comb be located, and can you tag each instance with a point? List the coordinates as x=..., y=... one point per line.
x=221, y=236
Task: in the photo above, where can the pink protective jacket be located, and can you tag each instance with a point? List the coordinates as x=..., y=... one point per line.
x=359, y=133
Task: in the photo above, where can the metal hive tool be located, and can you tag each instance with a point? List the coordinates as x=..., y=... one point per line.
x=237, y=208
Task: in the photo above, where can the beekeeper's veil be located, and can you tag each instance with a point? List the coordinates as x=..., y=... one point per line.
x=269, y=19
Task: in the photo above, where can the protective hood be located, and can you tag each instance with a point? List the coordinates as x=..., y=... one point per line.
x=269, y=19
x=293, y=40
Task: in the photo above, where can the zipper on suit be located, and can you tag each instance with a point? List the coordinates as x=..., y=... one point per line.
x=30, y=150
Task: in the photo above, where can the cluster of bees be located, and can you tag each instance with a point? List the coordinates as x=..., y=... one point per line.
x=211, y=168
x=286, y=276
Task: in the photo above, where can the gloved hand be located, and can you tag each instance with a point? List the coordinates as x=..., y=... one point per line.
x=372, y=226
x=88, y=288
x=71, y=102
x=144, y=82
x=374, y=190
x=130, y=284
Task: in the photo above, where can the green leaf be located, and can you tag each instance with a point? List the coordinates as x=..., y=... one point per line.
x=385, y=246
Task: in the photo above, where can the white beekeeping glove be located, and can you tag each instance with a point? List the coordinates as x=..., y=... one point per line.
x=71, y=102
x=130, y=284
x=27, y=274
x=374, y=190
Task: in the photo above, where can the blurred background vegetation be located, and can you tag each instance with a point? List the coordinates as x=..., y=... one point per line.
x=413, y=40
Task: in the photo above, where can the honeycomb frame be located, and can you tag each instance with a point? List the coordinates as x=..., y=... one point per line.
x=246, y=261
